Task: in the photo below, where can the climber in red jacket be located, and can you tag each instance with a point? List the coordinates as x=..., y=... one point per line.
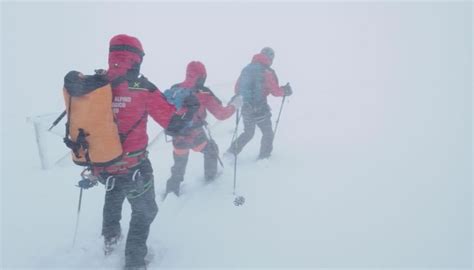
x=194, y=136
x=134, y=99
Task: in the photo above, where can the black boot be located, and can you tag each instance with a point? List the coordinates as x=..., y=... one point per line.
x=172, y=185
x=177, y=173
x=265, y=156
x=143, y=267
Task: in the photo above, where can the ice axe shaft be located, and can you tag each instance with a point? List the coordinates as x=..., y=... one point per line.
x=60, y=117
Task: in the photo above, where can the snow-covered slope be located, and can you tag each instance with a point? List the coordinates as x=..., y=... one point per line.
x=372, y=160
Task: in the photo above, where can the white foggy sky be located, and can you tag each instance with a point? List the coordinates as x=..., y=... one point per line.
x=338, y=52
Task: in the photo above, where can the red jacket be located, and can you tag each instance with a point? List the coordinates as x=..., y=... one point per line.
x=195, y=72
x=134, y=101
x=210, y=102
x=134, y=97
x=195, y=77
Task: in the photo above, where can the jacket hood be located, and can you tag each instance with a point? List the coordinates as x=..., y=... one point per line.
x=195, y=75
x=125, y=53
x=262, y=59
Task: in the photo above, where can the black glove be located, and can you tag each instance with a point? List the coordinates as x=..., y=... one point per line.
x=287, y=89
x=86, y=183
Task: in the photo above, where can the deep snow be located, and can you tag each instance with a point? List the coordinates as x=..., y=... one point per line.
x=372, y=161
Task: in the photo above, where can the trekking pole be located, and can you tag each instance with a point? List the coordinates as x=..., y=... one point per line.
x=235, y=172
x=278, y=119
x=88, y=180
x=238, y=200
x=77, y=218
x=237, y=119
x=234, y=143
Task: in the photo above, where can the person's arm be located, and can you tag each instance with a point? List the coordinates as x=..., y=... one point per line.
x=271, y=84
x=214, y=105
x=159, y=109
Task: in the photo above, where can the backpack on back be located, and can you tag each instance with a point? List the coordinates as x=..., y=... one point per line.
x=250, y=84
x=179, y=96
x=91, y=132
x=176, y=95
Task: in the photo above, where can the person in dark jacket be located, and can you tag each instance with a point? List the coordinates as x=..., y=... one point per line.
x=257, y=80
x=194, y=137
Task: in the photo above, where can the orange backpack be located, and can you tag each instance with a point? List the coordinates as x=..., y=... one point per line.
x=91, y=131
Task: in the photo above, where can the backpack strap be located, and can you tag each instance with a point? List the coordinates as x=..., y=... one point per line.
x=123, y=136
x=145, y=83
x=141, y=84
x=209, y=91
x=68, y=120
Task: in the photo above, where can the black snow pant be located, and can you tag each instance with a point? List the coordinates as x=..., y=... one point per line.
x=181, y=155
x=140, y=193
x=251, y=120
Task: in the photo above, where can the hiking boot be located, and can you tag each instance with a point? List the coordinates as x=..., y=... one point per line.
x=142, y=267
x=209, y=179
x=172, y=186
x=110, y=244
x=263, y=156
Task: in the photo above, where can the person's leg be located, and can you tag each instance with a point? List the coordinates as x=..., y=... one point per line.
x=177, y=171
x=141, y=195
x=211, y=153
x=112, y=214
x=249, y=131
x=266, y=145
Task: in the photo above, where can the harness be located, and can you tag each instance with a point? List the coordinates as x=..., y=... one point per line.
x=136, y=178
x=128, y=162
